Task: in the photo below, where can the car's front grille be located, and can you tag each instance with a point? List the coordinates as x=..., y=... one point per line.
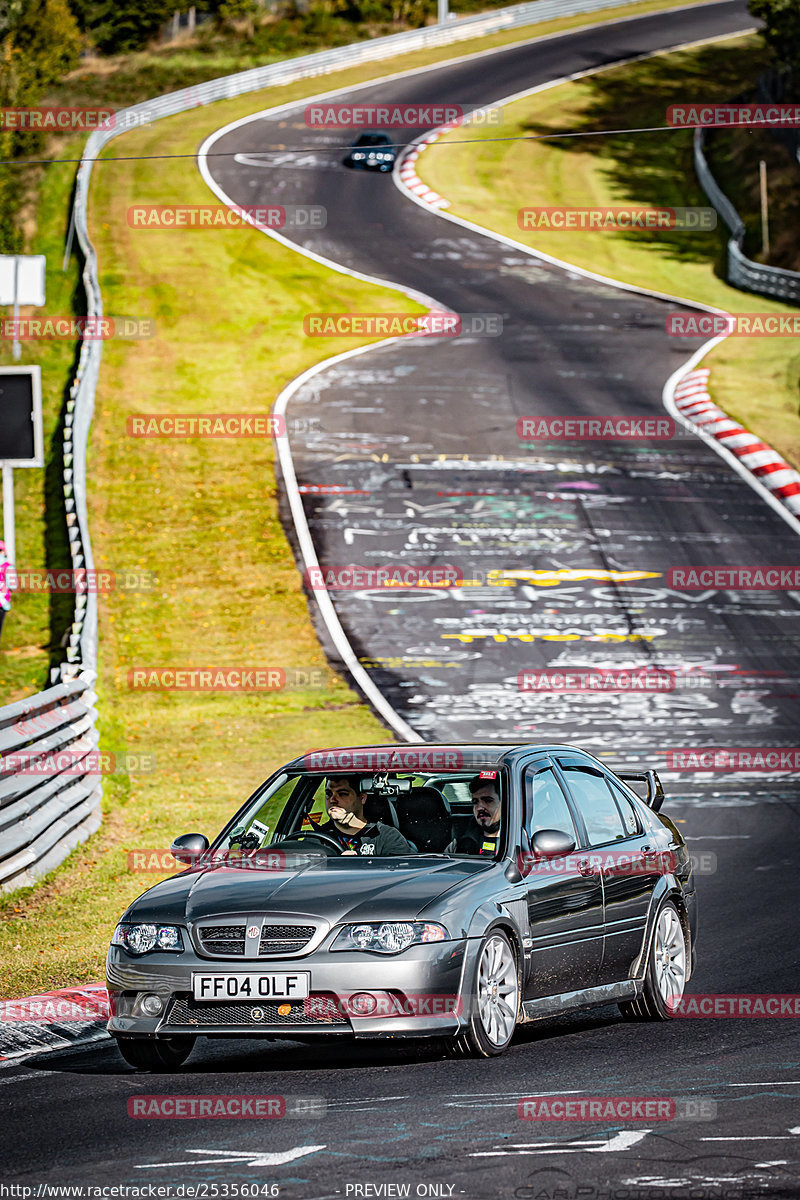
x=226, y=940
x=315, y=1011
x=284, y=939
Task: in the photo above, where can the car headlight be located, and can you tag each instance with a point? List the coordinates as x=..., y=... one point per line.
x=388, y=937
x=141, y=939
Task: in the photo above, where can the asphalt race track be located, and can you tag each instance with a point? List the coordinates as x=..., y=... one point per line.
x=426, y=431
x=427, y=428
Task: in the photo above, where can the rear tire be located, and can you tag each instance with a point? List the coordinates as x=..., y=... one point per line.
x=666, y=973
x=494, y=1001
x=156, y=1054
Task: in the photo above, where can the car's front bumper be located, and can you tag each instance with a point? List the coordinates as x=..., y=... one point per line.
x=416, y=994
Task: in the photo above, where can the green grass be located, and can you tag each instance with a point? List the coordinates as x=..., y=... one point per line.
x=228, y=307
x=756, y=380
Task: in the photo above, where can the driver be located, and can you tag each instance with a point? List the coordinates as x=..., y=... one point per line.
x=344, y=802
x=482, y=837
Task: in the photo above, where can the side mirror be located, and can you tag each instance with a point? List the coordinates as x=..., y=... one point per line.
x=188, y=847
x=552, y=843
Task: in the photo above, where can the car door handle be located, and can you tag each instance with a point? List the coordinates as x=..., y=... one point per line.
x=587, y=869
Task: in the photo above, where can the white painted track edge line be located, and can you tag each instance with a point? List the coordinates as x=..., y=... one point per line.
x=673, y=382
x=322, y=598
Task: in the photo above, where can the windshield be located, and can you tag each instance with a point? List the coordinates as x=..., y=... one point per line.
x=375, y=815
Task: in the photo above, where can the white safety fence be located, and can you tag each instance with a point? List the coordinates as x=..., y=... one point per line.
x=43, y=817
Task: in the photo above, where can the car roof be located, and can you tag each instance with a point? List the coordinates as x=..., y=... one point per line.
x=423, y=756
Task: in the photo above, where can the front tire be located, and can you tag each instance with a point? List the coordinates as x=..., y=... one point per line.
x=494, y=1001
x=665, y=976
x=151, y=1054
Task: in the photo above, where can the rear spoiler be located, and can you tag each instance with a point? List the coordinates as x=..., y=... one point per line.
x=655, y=792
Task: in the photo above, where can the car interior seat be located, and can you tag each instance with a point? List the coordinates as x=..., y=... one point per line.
x=425, y=819
x=380, y=808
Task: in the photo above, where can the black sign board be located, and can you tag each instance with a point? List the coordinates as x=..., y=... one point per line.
x=21, y=417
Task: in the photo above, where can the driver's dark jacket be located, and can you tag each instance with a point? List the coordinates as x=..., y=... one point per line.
x=375, y=839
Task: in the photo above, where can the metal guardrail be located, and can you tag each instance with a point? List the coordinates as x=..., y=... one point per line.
x=43, y=817
x=50, y=786
x=742, y=272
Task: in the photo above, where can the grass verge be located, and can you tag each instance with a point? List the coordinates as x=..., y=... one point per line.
x=756, y=380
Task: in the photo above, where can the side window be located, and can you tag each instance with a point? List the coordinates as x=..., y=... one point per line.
x=599, y=812
x=257, y=828
x=629, y=816
x=545, y=803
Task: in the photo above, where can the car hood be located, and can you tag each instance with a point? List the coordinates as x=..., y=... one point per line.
x=334, y=891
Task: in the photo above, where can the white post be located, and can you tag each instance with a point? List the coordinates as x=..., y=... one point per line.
x=8, y=514
x=70, y=235
x=16, y=349
x=443, y=11
x=762, y=178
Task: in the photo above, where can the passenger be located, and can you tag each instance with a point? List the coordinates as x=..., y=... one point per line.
x=345, y=806
x=482, y=838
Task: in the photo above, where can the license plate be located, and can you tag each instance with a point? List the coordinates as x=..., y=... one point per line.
x=286, y=986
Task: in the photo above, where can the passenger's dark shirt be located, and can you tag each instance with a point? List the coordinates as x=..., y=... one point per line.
x=478, y=841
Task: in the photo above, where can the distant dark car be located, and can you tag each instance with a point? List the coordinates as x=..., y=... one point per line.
x=531, y=881
x=371, y=152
